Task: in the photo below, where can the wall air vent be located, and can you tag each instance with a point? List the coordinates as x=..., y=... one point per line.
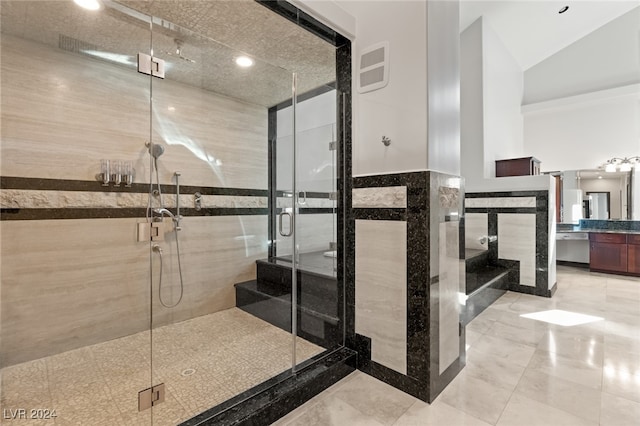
x=374, y=67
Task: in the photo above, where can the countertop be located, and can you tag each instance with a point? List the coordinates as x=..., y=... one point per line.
x=599, y=231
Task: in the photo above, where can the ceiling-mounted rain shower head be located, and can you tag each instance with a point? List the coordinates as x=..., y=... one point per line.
x=156, y=150
x=178, y=51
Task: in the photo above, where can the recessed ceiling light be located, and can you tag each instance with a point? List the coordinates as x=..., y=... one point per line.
x=89, y=4
x=244, y=61
x=563, y=9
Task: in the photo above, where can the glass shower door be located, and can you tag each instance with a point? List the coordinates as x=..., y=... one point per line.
x=75, y=340
x=220, y=314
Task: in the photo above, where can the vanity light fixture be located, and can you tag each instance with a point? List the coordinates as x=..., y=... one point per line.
x=89, y=4
x=622, y=164
x=244, y=61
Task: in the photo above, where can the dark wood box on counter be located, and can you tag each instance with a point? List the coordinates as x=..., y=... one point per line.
x=525, y=166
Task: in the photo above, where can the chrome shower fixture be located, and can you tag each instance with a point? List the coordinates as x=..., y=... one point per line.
x=155, y=149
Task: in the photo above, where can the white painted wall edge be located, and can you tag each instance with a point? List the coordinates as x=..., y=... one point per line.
x=631, y=90
x=514, y=183
x=329, y=13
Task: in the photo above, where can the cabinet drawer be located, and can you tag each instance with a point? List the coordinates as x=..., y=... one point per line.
x=608, y=238
x=633, y=239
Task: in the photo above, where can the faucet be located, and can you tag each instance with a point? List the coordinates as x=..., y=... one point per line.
x=163, y=212
x=174, y=219
x=488, y=238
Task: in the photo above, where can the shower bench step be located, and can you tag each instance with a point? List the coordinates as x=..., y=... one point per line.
x=275, y=308
x=484, y=286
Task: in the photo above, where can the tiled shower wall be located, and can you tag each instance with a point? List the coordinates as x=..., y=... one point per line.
x=72, y=271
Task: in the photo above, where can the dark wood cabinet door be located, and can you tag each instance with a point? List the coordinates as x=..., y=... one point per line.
x=633, y=252
x=608, y=257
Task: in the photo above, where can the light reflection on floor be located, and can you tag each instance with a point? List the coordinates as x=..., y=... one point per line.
x=560, y=317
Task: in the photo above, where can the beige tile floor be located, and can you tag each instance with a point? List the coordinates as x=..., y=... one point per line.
x=227, y=352
x=520, y=372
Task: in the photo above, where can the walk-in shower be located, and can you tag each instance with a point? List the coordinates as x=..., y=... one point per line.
x=159, y=294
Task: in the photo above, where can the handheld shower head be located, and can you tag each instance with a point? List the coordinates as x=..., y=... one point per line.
x=156, y=150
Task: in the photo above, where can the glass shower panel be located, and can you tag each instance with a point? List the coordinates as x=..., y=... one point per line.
x=221, y=312
x=75, y=339
x=319, y=302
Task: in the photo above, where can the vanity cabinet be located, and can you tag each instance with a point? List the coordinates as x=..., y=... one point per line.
x=608, y=252
x=633, y=254
x=617, y=253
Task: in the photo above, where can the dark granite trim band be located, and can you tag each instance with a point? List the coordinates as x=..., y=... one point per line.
x=345, y=235
x=271, y=400
x=304, y=20
x=309, y=194
x=531, y=210
x=380, y=214
x=37, y=184
x=306, y=95
x=272, y=201
x=316, y=210
x=25, y=183
x=502, y=194
x=118, y=213
x=397, y=179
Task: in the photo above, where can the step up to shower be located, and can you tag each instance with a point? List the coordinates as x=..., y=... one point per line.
x=485, y=282
x=268, y=297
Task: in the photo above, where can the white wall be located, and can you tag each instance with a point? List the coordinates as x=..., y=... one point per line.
x=491, y=93
x=443, y=86
x=401, y=110
x=585, y=133
x=503, y=87
x=471, y=109
x=606, y=58
x=398, y=111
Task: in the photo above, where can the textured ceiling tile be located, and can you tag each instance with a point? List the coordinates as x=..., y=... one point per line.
x=203, y=30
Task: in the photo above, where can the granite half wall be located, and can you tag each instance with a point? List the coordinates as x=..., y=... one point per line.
x=524, y=223
x=408, y=273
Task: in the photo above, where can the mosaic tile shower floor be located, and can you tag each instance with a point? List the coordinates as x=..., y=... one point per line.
x=203, y=362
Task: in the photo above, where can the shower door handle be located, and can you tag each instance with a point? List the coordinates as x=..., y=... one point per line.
x=280, y=217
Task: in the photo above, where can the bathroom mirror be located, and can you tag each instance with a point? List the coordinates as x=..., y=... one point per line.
x=597, y=205
x=582, y=189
